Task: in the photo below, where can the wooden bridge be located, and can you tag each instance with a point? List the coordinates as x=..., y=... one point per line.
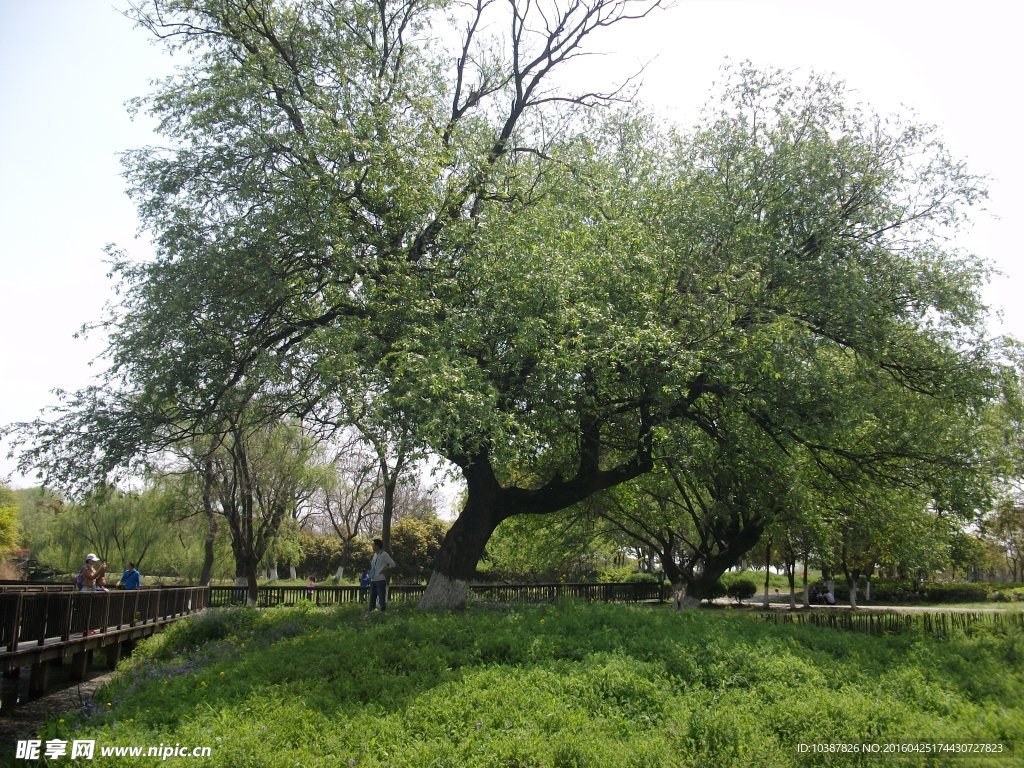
x=54, y=625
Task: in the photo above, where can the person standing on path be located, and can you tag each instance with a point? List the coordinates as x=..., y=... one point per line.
x=380, y=563
x=131, y=578
x=90, y=573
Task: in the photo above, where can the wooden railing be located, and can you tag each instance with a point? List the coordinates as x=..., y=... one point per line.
x=35, y=586
x=30, y=618
x=41, y=613
x=630, y=592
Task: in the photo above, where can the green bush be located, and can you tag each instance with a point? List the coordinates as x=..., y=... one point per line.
x=894, y=591
x=741, y=589
x=642, y=577
x=717, y=591
x=954, y=593
x=1007, y=594
x=903, y=592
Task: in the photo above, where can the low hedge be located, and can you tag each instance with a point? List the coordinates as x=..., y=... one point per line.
x=1003, y=593
x=902, y=591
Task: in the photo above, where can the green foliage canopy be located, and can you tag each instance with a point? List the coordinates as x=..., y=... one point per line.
x=350, y=208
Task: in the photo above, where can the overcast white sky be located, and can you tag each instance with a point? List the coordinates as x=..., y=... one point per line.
x=67, y=68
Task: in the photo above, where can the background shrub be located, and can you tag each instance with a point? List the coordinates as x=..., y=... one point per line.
x=741, y=589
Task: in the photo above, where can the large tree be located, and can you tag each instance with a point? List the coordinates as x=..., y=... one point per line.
x=333, y=167
x=355, y=203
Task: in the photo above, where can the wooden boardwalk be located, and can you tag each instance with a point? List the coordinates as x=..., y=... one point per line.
x=43, y=627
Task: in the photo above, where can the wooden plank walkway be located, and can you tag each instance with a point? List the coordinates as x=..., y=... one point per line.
x=39, y=628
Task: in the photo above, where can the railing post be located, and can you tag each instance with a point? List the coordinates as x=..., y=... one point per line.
x=13, y=625
x=88, y=612
x=106, y=611
x=65, y=630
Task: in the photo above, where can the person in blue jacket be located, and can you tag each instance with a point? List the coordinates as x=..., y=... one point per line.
x=364, y=586
x=131, y=578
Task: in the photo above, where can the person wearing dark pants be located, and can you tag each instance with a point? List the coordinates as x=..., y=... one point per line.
x=379, y=565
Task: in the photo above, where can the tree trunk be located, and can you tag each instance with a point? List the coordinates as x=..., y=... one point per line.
x=208, y=549
x=690, y=588
x=464, y=544
x=252, y=566
x=851, y=582
x=767, y=573
x=807, y=594
x=388, y=511
x=681, y=600
x=291, y=573
x=211, y=524
x=488, y=503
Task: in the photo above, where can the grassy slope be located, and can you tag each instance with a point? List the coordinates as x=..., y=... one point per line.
x=561, y=686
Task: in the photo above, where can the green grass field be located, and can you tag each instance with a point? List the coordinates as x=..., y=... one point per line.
x=556, y=686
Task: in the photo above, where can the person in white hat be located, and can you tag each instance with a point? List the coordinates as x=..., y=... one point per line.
x=90, y=573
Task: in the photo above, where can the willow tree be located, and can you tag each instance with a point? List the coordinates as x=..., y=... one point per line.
x=259, y=475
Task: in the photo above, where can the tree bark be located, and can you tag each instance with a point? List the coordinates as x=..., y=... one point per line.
x=851, y=582
x=767, y=573
x=464, y=544
x=682, y=601
x=390, y=485
x=252, y=584
x=807, y=594
x=209, y=481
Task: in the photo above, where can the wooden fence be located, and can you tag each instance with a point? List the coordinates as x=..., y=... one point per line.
x=401, y=593
x=932, y=623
